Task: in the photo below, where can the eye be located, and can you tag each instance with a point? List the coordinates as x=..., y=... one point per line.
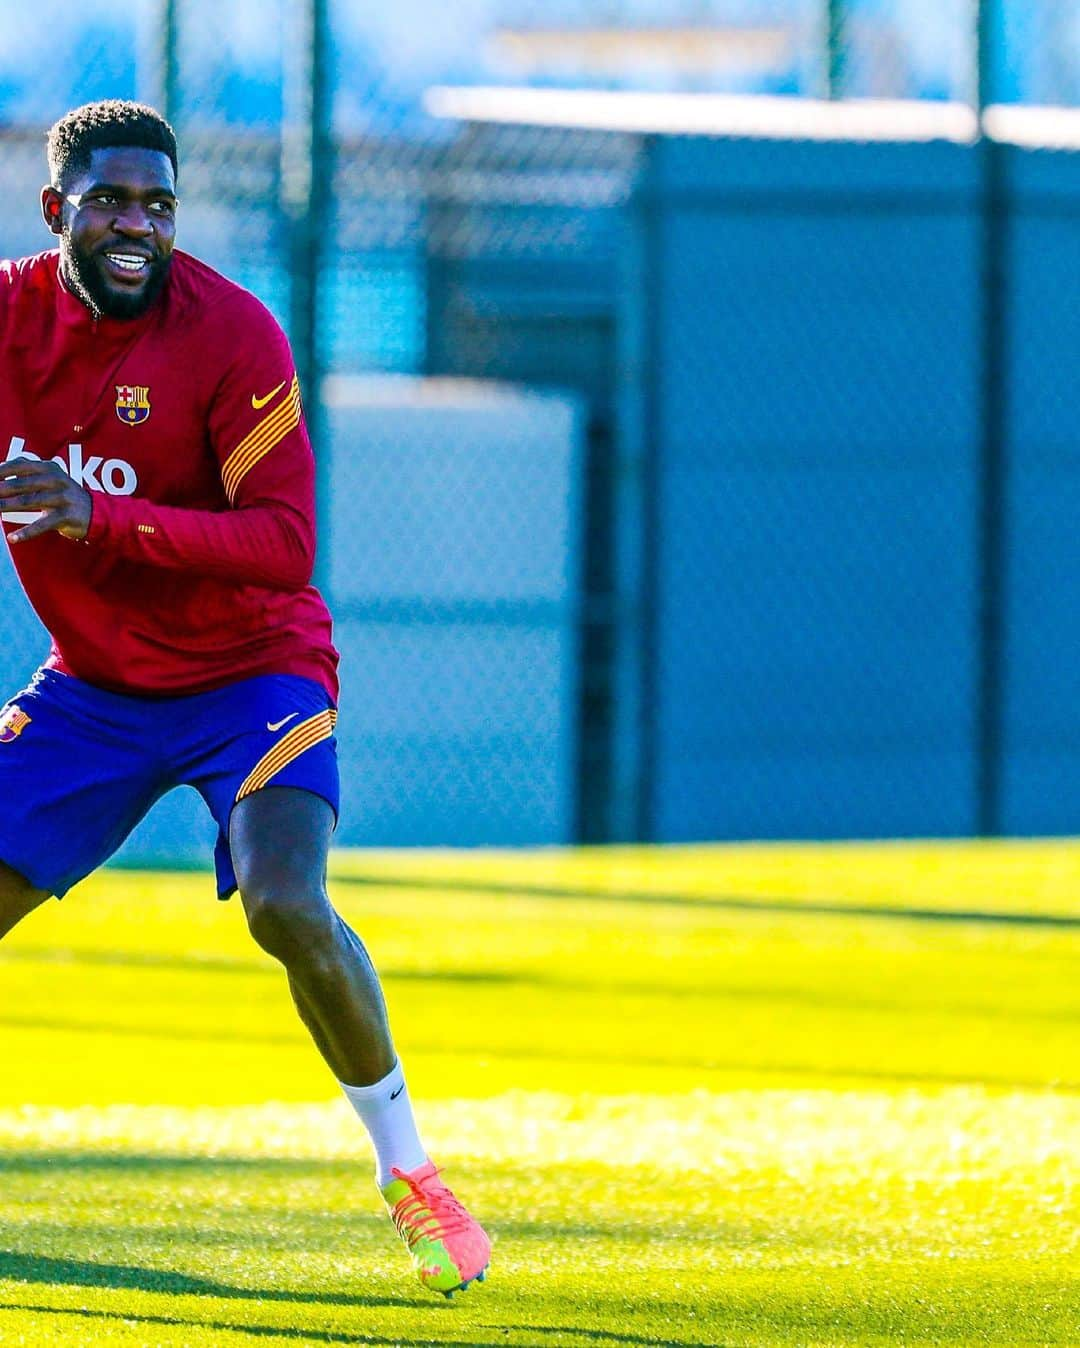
x=104, y=199
x=165, y=208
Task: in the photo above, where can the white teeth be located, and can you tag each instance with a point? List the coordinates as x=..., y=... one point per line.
x=127, y=262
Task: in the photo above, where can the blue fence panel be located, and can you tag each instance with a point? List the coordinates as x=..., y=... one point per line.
x=815, y=358
x=1041, y=741
x=455, y=539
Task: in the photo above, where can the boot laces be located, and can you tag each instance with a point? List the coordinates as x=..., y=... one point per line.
x=429, y=1211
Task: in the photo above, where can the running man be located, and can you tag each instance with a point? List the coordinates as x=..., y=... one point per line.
x=158, y=496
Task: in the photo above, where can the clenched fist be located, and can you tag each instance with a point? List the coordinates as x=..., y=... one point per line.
x=33, y=484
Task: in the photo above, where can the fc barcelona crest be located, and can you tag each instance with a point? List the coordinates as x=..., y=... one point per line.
x=12, y=724
x=132, y=403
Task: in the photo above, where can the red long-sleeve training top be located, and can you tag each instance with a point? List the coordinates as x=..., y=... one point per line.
x=186, y=426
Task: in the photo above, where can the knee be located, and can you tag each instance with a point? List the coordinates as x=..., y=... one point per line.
x=293, y=925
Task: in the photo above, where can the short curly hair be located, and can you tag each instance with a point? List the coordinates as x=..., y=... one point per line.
x=109, y=123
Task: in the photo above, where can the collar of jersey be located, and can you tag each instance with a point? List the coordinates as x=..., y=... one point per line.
x=74, y=314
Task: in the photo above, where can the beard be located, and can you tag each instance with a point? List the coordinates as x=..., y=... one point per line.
x=85, y=276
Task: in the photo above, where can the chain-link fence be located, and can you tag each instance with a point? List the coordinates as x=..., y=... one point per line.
x=507, y=682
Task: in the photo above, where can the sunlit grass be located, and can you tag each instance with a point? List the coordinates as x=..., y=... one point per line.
x=685, y=1122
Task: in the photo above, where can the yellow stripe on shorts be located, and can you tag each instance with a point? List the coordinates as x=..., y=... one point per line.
x=291, y=745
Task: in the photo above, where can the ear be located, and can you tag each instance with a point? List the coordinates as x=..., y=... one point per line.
x=52, y=209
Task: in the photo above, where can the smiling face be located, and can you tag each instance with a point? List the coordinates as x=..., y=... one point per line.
x=116, y=222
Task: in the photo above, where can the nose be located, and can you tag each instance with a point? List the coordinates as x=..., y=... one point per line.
x=134, y=220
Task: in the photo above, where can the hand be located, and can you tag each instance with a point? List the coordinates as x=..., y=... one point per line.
x=32, y=484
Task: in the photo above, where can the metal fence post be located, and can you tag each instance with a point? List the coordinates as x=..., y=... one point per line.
x=168, y=71
x=653, y=526
x=835, y=48
x=306, y=171
x=994, y=209
x=625, y=792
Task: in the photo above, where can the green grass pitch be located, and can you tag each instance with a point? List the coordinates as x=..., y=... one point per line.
x=724, y=1096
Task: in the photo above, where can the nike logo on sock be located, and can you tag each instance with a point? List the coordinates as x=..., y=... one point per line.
x=284, y=721
x=394, y=1094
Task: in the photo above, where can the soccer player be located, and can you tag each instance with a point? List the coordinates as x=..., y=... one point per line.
x=158, y=497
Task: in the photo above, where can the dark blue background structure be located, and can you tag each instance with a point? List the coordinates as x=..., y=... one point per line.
x=814, y=331
x=834, y=478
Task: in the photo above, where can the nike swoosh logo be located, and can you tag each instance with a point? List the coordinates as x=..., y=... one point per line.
x=284, y=721
x=394, y=1094
x=261, y=402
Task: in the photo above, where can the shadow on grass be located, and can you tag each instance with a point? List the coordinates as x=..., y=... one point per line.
x=207, y=1327
x=937, y=1000
x=248, y=1176
x=150, y=1263
x=788, y=1072
x=67, y=957
x=738, y=903
x=610, y=1336
x=12, y=1162
x=47, y=1271
x=495, y=1334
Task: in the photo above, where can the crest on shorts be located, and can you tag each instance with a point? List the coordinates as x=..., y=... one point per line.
x=132, y=403
x=13, y=721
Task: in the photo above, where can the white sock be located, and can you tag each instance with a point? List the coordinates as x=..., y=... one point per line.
x=386, y=1112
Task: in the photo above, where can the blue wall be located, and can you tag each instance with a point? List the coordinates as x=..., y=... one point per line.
x=1042, y=666
x=815, y=357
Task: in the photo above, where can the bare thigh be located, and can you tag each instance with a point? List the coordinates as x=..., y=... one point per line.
x=17, y=898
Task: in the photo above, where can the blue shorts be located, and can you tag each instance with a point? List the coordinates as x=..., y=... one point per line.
x=79, y=767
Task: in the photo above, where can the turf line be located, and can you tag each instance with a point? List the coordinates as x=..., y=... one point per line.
x=734, y=902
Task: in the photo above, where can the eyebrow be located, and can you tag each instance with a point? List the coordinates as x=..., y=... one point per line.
x=120, y=191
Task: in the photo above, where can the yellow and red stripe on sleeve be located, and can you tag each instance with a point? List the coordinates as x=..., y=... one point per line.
x=291, y=745
x=259, y=442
